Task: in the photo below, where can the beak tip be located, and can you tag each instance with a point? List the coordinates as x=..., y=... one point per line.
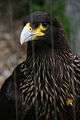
x=21, y=41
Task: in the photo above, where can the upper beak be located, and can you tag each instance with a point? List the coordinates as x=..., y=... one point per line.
x=25, y=36
x=28, y=35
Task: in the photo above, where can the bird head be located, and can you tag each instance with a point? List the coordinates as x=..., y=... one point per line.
x=40, y=27
x=36, y=27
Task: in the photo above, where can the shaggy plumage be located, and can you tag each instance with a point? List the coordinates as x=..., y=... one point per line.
x=46, y=86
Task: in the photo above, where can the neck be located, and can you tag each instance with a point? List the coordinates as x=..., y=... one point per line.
x=48, y=52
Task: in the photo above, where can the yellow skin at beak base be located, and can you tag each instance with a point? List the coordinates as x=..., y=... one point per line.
x=37, y=31
x=28, y=33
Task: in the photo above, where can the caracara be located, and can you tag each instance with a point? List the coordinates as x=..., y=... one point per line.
x=46, y=86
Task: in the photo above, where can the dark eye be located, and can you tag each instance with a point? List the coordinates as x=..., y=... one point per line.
x=35, y=25
x=45, y=24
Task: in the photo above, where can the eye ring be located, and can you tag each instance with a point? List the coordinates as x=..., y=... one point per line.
x=30, y=29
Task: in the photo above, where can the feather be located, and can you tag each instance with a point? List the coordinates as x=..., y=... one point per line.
x=47, y=84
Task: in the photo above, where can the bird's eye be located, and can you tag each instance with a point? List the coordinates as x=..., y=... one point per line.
x=35, y=25
x=44, y=24
x=30, y=29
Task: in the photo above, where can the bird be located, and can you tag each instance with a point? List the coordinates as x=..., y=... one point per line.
x=45, y=86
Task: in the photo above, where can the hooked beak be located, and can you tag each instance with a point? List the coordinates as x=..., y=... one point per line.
x=26, y=36
x=29, y=34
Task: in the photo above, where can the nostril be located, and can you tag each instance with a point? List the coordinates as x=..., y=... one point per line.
x=30, y=29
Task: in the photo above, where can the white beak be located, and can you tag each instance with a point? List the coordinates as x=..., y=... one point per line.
x=25, y=36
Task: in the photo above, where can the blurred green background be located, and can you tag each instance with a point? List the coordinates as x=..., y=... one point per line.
x=12, y=12
x=20, y=9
